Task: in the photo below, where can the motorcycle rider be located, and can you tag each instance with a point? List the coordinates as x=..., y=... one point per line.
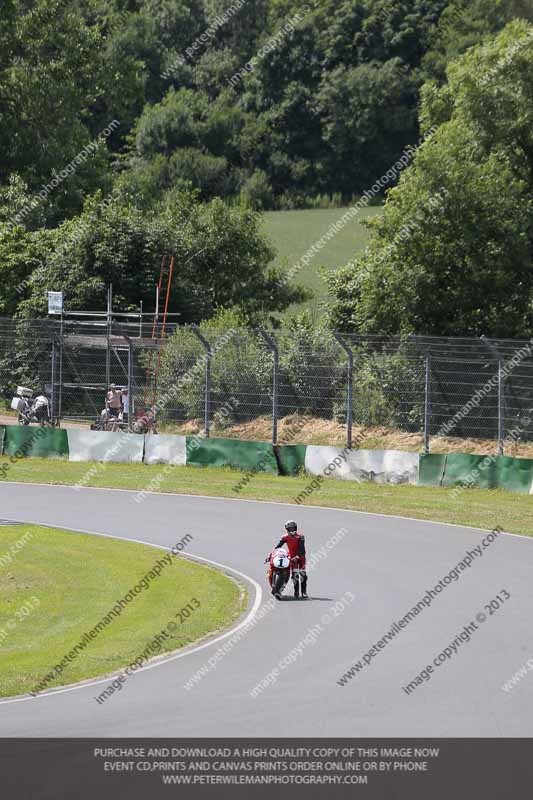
x=295, y=543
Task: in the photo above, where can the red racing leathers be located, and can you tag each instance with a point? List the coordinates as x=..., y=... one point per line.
x=295, y=544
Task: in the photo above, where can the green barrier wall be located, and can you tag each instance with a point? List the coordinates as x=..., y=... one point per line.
x=431, y=469
x=460, y=468
x=248, y=456
x=485, y=472
x=291, y=458
x=36, y=442
x=516, y=474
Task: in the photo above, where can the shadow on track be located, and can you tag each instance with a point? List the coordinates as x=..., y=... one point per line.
x=300, y=600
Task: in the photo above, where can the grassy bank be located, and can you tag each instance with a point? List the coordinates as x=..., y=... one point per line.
x=475, y=507
x=55, y=586
x=293, y=232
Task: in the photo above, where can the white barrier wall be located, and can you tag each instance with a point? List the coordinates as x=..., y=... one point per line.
x=167, y=449
x=105, y=446
x=381, y=466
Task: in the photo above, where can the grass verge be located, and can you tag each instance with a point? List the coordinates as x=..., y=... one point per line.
x=293, y=232
x=59, y=585
x=479, y=508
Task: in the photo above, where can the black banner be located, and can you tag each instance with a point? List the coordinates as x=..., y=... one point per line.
x=414, y=769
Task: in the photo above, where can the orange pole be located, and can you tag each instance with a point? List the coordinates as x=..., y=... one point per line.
x=168, y=296
x=170, y=271
x=156, y=313
x=154, y=326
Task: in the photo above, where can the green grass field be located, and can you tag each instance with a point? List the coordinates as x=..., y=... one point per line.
x=59, y=585
x=293, y=232
x=478, y=508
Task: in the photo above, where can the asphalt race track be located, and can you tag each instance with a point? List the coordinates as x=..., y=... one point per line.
x=386, y=563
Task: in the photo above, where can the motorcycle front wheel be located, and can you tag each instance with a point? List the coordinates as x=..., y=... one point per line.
x=278, y=583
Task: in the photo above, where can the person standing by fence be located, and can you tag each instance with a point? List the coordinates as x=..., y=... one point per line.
x=114, y=401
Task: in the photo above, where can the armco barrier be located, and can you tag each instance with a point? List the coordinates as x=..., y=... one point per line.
x=489, y=472
x=248, y=456
x=24, y=441
x=381, y=466
x=105, y=446
x=165, y=449
x=431, y=469
x=291, y=458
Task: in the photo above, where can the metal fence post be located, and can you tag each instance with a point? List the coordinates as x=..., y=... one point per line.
x=61, y=350
x=349, y=393
x=130, y=380
x=53, y=381
x=108, y=337
x=273, y=347
x=501, y=431
x=427, y=404
x=207, y=388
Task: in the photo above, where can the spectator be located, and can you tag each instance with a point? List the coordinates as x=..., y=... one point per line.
x=126, y=405
x=113, y=401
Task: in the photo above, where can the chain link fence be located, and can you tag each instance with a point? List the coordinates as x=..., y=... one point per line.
x=431, y=386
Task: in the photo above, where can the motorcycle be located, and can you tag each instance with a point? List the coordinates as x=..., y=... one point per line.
x=30, y=409
x=145, y=422
x=109, y=422
x=280, y=566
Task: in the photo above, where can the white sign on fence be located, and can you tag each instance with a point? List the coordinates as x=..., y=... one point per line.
x=55, y=302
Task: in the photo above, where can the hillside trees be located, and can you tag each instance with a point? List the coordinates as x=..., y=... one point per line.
x=324, y=110
x=220, y=253
x=452, y=252
x=49, y=76
x=464, y=24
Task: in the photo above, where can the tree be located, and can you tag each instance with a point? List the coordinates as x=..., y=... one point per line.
x=242, y=30
x=220, y=253
x=22, y=244
x=368, y=118
x=452, y=252
x=464, y=24
x=241, y=367
x=187, y=139
x=49, y=76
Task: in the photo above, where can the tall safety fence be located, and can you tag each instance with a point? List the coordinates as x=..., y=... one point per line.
x=463, y=388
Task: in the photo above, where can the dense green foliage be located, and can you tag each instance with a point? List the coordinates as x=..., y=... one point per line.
x=122, y=245
x=311, y=376
x=123, y=123
x=325, y=109
x=453, y=249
